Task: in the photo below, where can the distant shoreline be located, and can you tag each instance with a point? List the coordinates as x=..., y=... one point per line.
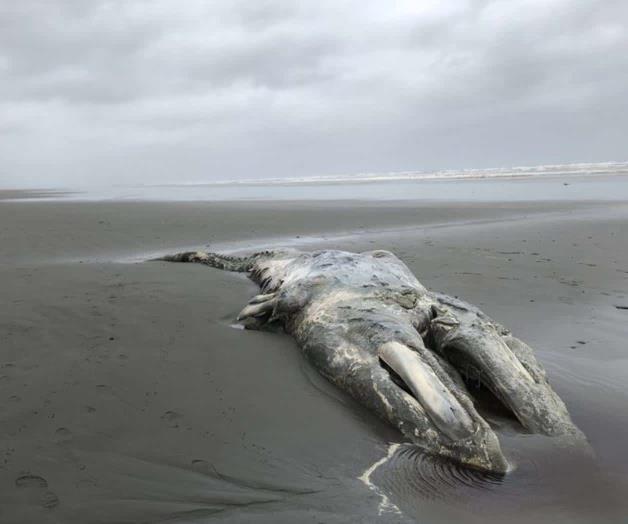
x=549, y=170
x=581, y=182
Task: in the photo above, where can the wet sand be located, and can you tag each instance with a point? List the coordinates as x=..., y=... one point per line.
x=128, y=395
x=31, y=194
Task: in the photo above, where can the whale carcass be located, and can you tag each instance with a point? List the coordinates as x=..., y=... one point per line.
x=415, y=357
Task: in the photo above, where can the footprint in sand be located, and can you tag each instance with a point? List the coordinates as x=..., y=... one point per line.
x=63, y=435
x=201, y=466
x=172, y=418
x=35, y=489
x=49, y=500
x=31, y=481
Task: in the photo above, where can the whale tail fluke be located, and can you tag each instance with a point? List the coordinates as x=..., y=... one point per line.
x=226, y=262
x=217, y=260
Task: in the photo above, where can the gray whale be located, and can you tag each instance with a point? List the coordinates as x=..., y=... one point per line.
x=411, y=355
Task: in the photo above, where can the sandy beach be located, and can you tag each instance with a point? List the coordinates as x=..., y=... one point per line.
x=128, y=395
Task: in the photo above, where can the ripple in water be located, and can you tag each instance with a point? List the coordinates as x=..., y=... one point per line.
x=416, y=472
x=408, y=479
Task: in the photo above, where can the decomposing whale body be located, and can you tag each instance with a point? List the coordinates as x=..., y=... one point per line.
x=419, y=359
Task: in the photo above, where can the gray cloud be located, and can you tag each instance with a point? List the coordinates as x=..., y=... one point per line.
x=160, y=91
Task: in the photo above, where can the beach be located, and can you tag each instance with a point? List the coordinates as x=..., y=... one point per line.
x=129, y=394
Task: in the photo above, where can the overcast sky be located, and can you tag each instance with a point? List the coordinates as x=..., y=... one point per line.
x=165, y=91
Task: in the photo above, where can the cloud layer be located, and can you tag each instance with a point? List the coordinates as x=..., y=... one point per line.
x=147, y=91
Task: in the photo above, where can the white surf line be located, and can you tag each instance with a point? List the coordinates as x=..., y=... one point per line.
x=385, y=504
x=543, y=170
